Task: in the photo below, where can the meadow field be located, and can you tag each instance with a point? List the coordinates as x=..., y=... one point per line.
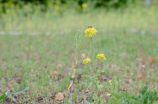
x=41, y=57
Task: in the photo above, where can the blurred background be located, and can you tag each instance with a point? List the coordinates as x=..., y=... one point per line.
x=37, y=46
x=48, y=16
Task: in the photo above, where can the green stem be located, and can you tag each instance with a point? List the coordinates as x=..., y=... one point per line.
x=92, y=45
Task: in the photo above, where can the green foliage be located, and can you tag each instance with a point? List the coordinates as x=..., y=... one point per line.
x=2, y=96
x=113, y=3
x=9, y=95
x=146, y=97
x=79, y=3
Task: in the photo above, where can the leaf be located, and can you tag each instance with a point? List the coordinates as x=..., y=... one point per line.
x=7, y=92
x=87, y=102
x=19, y=91
x=59, y=96
x=101, y=71
x=33, y=102
x=90, y=99
x=117, y=78
x=153, y=98
x=151, y=59
x=12, y=98
x=3, y=96
x=73, y=75
x=126, y=89
x=139, y=76
x=94, y=78
x=71, y=83
x=149, y=97
x=99, y=87
x=115, y=95
x=9, y=95
x=144, y=90
x=72, y=78
x=99, y=101
x=108, y=94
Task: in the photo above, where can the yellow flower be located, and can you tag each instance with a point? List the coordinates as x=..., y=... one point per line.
x=84, y=5
x=110, y=81
x=90, y=31
x=90, y=35
x=86, y=61
x=99, y=56
x=56, y=7
x=25, y=6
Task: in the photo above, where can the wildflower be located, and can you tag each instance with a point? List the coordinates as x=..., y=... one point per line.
x=25, y=6
x=101, y=56
x=90, y=31
x=84, y=5
x=56, y=7
x=110, y=81
x=86, y=61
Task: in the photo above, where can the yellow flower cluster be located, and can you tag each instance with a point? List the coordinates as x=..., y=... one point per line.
x=84, y=5
x=86, y=61
x=90, y=32
x=99, y=56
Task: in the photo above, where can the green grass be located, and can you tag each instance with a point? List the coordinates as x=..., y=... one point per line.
x=44, y=62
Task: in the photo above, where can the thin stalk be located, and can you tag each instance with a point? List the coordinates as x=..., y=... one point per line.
x=91, y=46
